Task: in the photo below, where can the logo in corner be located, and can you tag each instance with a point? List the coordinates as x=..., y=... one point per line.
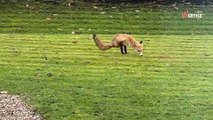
x=187, y=15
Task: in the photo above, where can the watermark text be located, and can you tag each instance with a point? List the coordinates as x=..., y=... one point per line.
x=187, y=15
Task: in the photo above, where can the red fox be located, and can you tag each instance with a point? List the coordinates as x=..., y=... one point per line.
x=122, y=41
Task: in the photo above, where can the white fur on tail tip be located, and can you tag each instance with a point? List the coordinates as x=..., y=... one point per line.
x=141, y=54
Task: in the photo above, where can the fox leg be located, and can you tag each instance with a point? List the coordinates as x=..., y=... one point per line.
x=125, y=49
x=122, y=49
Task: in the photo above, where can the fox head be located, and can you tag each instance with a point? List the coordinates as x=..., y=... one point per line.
x=139, y=47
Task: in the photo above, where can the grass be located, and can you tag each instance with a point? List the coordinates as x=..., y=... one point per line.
x=65, y=76
x=140, y=19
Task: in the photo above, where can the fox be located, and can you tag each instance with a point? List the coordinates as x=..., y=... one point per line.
x=122, y=41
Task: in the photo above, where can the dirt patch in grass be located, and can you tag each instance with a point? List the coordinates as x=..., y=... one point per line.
x=13, y=108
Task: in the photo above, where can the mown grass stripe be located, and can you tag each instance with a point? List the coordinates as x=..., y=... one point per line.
x=68, y=77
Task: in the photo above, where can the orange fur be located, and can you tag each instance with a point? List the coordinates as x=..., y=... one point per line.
x=120, y=40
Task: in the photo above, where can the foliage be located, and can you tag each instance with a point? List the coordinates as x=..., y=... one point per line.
x=117, y=1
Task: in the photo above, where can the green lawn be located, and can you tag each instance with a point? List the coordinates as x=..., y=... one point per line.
x=65, y=76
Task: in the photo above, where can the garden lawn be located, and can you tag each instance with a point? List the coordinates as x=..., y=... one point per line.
x=65, y=76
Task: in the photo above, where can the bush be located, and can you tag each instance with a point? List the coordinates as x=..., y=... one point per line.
x=116, y=1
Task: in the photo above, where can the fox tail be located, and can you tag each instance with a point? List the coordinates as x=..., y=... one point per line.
x=101, y=45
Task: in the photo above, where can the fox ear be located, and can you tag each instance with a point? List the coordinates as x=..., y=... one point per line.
x=141, y=42
x=94, y=35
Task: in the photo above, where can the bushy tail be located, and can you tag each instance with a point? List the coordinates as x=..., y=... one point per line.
x=100, y=44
